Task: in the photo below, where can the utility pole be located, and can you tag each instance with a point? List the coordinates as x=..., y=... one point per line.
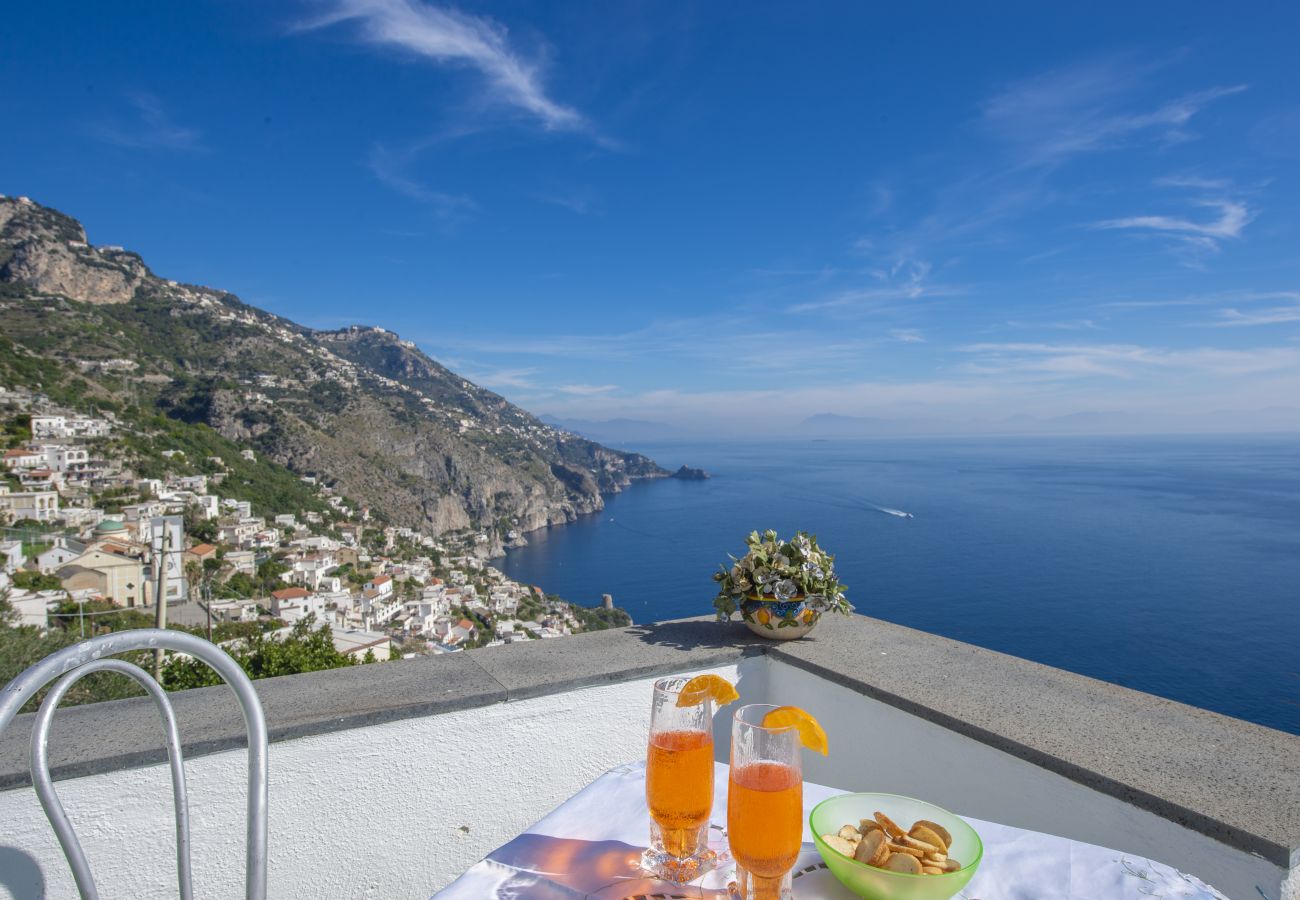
x=161, y=538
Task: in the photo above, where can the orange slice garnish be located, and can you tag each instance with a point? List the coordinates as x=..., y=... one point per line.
x=811, y=734
x=707, y=687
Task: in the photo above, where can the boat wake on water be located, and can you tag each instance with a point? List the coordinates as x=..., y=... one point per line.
x=893, y=512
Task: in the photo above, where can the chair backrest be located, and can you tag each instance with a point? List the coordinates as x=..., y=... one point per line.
x=73, y=663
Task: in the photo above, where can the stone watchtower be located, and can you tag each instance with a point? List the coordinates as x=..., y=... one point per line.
x=607, y=600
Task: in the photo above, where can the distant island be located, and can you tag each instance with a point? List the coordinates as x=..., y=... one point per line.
x=686, y=473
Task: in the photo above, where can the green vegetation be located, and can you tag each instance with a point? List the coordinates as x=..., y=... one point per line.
x=268, y=486
x=35, y=581
x=598, y=618
x=307, y=649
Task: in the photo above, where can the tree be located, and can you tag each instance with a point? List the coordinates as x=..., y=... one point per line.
x=198, y=527
x=101, y=617
x=35, y=581
x=306, y=649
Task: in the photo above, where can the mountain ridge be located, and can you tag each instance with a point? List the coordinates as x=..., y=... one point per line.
x=357, y=406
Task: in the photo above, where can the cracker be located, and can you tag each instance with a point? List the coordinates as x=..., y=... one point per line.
x=890, y=826
x=938, y=829
x=872, y=849
x=901, y=862
x=838, y=844
x=930, y=836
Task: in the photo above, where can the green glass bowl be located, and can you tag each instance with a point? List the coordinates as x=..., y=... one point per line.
x=829, y=816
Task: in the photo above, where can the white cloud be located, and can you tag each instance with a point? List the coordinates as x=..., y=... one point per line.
x=149, y=128
x=907, y=335
x=903, y=278
x=586, y=390
x=449, y=37
x=1124, y=360
x=389, y=169
x=1274, y=315
x=502, y=378
x=1232, y=218
x=1067, y=325
x=1088, y=107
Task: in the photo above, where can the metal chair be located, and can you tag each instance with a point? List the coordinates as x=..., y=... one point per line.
x=73, y=663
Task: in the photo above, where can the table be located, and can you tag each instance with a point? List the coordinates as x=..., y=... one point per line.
x=589, y=846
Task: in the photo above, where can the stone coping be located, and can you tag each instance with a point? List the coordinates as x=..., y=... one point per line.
x=1236, y=782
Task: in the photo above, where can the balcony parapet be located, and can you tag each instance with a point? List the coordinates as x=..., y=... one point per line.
x=1229, y=780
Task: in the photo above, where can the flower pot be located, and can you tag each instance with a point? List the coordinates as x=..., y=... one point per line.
x=780, y=620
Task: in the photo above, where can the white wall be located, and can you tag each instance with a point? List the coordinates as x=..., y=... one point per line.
x=362, y=813
x=378, y=812
x=876, y=747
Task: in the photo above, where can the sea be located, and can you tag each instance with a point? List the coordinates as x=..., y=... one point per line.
x=1169, y=565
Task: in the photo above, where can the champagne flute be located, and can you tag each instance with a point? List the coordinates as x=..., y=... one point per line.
x=764, y=804
x=679, y=784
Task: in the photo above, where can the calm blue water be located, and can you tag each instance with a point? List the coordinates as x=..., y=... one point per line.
x=1168, y=565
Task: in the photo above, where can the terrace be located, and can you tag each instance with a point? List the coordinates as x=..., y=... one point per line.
x=390, y=780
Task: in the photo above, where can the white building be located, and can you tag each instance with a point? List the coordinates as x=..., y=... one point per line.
x=19, y=459
x=69, y=426
x=293, y=604
x=64, y=458
x=234, y=610
x=12, y=556
x=379, y=586
x=42, y=506
x=357, y=643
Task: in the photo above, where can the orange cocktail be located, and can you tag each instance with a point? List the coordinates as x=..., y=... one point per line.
x=679, y=776
x=765, y=819
x=765, y=796
x=679, y=787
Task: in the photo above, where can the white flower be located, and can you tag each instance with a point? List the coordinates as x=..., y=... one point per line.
x=785, y=589
x=813, y=570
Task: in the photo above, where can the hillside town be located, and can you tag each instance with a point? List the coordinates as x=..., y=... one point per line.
x=81, y=526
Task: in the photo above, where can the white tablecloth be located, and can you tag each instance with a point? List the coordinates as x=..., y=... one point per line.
x=590, y=845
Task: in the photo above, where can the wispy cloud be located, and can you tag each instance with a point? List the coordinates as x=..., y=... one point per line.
x=1124, y=360
x=148, y=127
x=586, y=390
x=502, y=378
x=903, y=278
x=723, y=343
x=389, y=168
x=1289, y=311
x=577, y=200
x=451, y=38
x=1088, y=107
x=1066, y=325
x=1232, y=217
x=907, y=335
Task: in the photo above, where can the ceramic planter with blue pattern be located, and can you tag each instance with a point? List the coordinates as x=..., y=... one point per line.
x=780, y=620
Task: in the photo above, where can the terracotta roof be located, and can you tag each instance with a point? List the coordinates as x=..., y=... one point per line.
x=382, y=579
x=466, y=624
x=14, y=454
x=202, y=549
x=293, y=593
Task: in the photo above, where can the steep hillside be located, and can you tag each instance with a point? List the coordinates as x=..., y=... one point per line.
x=359, y=407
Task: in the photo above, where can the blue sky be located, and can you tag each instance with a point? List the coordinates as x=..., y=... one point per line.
x=722, y=216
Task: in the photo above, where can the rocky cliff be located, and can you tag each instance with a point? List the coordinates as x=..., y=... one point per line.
x=359, y=407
